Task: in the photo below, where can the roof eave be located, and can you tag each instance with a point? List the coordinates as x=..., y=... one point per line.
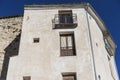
x=102, y=26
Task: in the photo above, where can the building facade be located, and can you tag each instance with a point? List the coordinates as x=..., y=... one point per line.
x=63, y=42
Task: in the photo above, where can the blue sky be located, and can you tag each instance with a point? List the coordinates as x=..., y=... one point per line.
x=109, y=11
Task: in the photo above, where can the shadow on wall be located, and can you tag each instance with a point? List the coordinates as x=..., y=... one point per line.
x=10, y=50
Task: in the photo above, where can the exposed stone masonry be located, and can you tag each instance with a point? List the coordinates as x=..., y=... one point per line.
x=10, y=28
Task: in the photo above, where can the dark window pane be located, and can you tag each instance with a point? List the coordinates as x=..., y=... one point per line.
x=65, y=16
x=26, y=78
x=69, y=76
x=62, y=18
x=36, y=40
x=69, y=18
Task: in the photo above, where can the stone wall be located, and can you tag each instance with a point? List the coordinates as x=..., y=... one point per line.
x=10, y=28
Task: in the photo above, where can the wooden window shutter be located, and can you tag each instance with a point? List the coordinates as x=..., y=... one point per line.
x=67, y=44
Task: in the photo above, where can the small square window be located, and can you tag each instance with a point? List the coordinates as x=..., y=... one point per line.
x=36, y=40
x=26, y=78
x=69, y=76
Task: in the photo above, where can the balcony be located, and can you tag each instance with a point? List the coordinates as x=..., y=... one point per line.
x=64, y=21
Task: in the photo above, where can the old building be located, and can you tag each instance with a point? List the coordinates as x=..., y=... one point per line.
x=63, y=42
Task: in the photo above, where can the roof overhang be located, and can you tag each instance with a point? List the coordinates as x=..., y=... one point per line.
x=102, y=26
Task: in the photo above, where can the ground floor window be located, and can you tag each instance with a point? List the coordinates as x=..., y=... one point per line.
x=26, y=78
x=69, y=76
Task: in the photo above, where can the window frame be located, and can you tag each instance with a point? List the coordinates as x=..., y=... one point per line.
x=108, y=47
x=66, y=15
x=69, y=74
x=67, y=47
x=36, y=40
x=26, y=77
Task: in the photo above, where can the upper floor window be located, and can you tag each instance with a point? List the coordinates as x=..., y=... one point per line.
x=108, y=47
x=110, y=66
x=67, y=44
x=65, y=16
x=65, y=19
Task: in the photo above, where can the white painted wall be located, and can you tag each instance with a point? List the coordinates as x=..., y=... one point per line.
x=43, y=61
x=100, y=53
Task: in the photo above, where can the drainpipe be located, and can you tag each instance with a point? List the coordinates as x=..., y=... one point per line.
x=91, y=46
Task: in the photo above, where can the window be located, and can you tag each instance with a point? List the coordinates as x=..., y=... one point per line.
x=65, y=19
x=99, y=77
x=108, y=47
x=69, y=76
x=26, y=78
x=110, y=66
x=67, y=45
x=65, y=16
x=36, y=40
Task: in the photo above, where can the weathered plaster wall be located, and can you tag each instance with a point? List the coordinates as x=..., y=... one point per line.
x=10, y=29
x=42, y=60
x=102, y=64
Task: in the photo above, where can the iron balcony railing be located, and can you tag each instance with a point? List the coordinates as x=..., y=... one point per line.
x=67, y=51
x=68, y=21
